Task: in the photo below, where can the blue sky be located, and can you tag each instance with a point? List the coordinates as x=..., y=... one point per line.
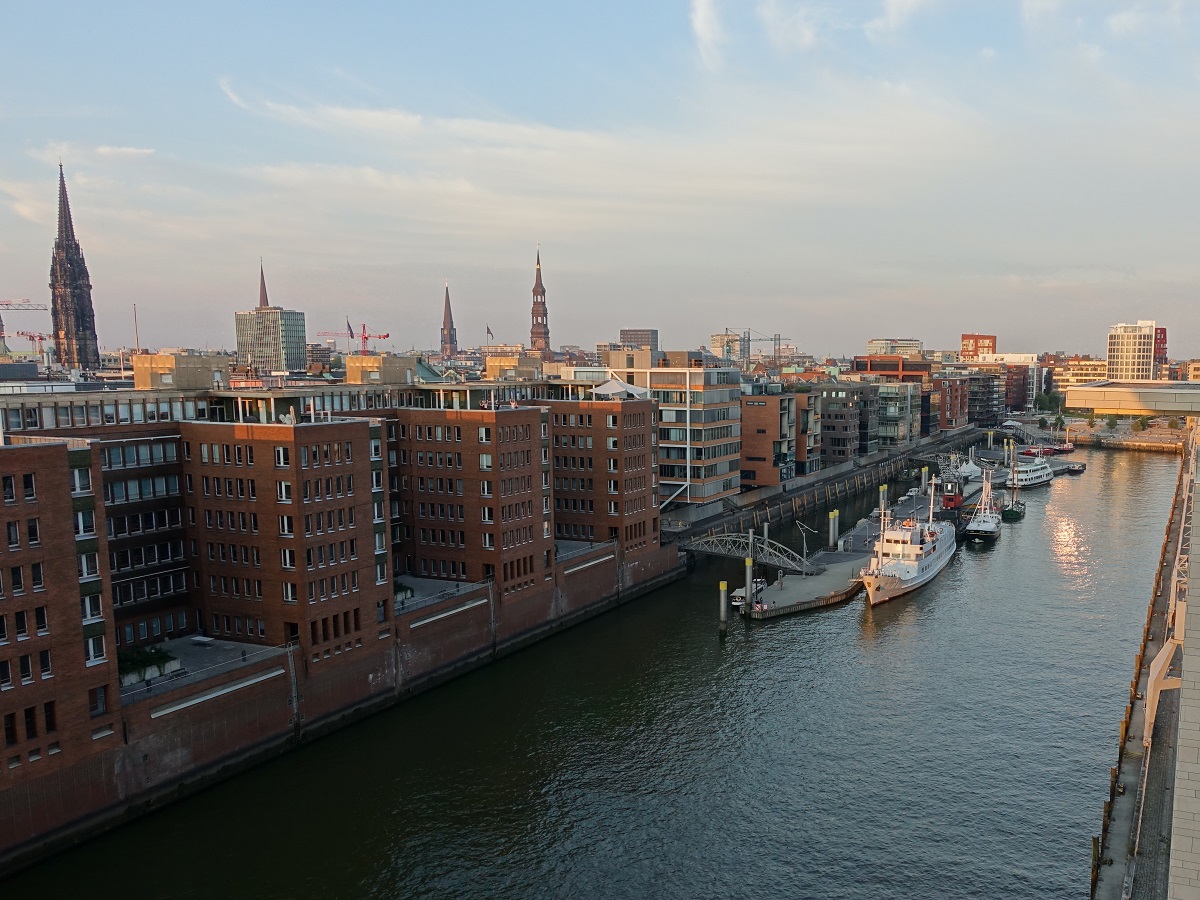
x=830, y=171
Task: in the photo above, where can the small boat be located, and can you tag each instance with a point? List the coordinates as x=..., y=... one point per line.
x=1038, y=451
x=1014, y=509
x=984, y=524
x=908, y=554
x=1076, y=468
x=1064, y=447
x=738, y=597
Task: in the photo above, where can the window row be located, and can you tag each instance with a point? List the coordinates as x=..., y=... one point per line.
x=572, y=530
x=26, y=665
x=250, y=588
x=127, y=455
x=441, y=511
x=141, y=488
x=233, y=625
x=21, y=623
x=152, y=628
x=218, y=454
x=339, y=486
x=148, y=555
x=135, y=590
x=436, y=460
x=443, y=537
x=18, y=583
x=334, y=627
x=134, y=523
x=29, y=718
x=33, y=533
x=333, y=586
x=114, y=413
x=27, y=487
x=574, y=504
x=448, y=568
x=239, y=488
x=234, y=553
x=217, y=518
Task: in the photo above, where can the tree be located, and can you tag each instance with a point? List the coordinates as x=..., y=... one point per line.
x=1040, y=401
x=1172, y=422
x=1091, y=420
x=1043, y=423
x=1059, y=421
x=1111, y=422
x=1138, y=424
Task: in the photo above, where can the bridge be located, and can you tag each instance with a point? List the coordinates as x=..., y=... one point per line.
x=761, y=550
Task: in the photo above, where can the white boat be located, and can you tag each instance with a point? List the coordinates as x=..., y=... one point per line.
x=907, y=555
x=1030, y=472
x=738, y=597
x=984, y=524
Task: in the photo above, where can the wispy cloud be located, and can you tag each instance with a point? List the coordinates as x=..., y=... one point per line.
x=1144, y=16
x=987, y=53
x=1034, y=12
x=788, y=28
x=706, y=26
x=124, y=151
x=895, y=14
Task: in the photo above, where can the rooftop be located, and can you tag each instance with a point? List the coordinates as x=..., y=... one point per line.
x=200, y=659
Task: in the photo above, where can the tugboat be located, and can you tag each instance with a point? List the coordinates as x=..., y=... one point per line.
x=908, y=554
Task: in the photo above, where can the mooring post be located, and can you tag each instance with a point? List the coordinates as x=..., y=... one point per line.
x=748, y=603
x=882, y=502
x=833, y=527
x=724, y=608
x=924, y=480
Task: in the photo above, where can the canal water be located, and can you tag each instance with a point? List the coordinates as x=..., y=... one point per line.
x=953, y=743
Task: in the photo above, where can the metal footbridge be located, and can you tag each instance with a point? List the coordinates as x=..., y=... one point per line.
x=760, y=549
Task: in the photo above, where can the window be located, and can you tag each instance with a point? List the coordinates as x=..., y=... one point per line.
x=29, y=485
x=89, y=566
x=286, y=526
x=14, y=535
x=93, y=650
x=485, y=435
x=485, y=462
x=5, y=675
x=81, y=481
x=33, y=531
x=44, y=664
x=36, y=576
x=283, y=491
x=487, y=513
x=10, y=490
x=289, y=592
x=89, y=608
x=18, y=579
x=50, y=717
x=98, y=700
x=10, y=729
x=287, y=557
x=85, y=523
x=489, y=541
x=282, y=457
x=41, y=620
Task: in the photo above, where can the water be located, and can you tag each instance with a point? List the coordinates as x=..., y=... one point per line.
x=953, y=743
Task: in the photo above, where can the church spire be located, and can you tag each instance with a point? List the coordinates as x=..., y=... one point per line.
x=66, y=228
x=539, y=333
x=262, y=287
x=71, y=313
x=449, y=336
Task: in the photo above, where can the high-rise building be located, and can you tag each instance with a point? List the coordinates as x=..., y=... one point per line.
x=1133, y=352
x=449, y=335
x=270, y=338
x=539, y=333
x=639, y=338
x=975, y=344
x=74, y=320
x=895, y=347
x=730, y=345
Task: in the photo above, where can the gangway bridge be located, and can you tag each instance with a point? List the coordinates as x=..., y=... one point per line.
x=750, y=546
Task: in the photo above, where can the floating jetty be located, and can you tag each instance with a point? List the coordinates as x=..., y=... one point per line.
x=798, y=593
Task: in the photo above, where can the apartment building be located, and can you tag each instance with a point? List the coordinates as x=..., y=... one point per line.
x=843, y=406
x=954, y=400
x=808, y=433
x=768, y=435
x=899, y=415
x=58, y=672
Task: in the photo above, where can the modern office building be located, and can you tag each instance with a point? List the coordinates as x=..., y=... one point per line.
x=270, y=338
x=639, y=338
x=1135, y=351
x=899, y=415
x=910, y=347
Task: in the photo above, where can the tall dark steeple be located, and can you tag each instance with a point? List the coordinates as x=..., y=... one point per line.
x=539, y=334
x=74, y=321
x=262, y=287
x=449, y=336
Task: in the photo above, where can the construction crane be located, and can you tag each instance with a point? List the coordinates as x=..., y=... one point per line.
x=36, y=337
x=23, y=303
x=363, y=337
x=744, y=340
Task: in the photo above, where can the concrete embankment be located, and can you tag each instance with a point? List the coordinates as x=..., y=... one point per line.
x=1131, y=855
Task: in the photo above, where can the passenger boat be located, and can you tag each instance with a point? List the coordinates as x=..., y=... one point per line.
x=984, y=524
x=908, y=554
x=1030, y=473
x=1038, y=451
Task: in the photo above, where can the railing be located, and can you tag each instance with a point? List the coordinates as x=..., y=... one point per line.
x=408, y=604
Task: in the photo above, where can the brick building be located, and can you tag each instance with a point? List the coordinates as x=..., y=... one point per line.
x=768, y=436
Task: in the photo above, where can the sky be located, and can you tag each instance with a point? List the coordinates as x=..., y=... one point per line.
x=828, y=171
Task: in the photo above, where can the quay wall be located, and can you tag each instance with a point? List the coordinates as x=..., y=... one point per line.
x=170, y=743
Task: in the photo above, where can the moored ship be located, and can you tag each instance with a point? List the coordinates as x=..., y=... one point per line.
x=908, y=554
x=1030, y=473
x=984, y=524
